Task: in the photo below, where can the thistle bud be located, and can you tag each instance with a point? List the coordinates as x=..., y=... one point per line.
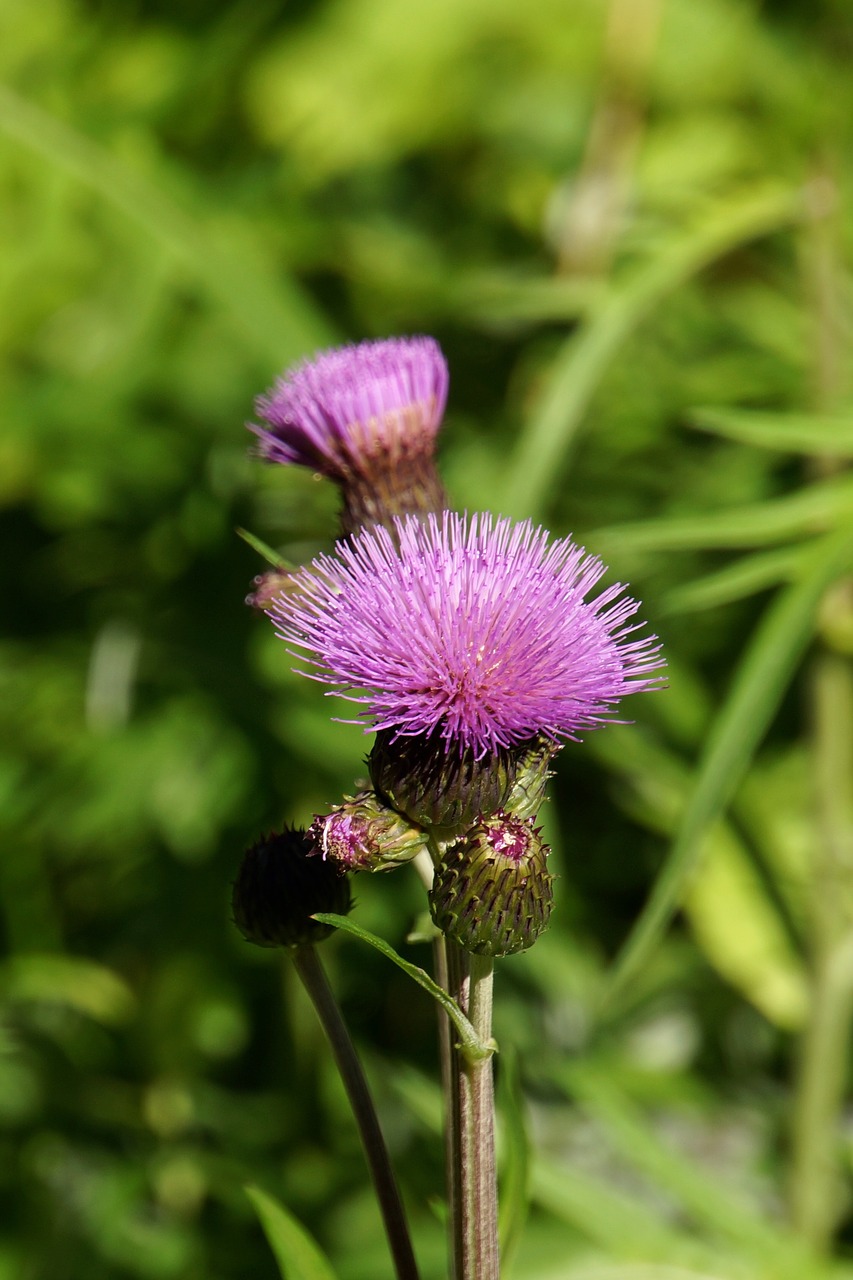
x=492, y=892
x=362, y=834
x=280, y=884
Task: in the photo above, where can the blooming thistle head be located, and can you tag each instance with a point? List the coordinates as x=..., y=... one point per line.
x=366, y=416
x=476, y=629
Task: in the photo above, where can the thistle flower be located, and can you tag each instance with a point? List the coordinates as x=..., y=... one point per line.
x=472, y=631
x=366, y=416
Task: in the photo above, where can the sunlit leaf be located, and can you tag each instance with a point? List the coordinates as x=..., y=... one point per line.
x=298, y=1257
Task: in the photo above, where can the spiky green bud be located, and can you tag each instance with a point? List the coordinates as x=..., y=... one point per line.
x=363, y=834
x=281, y=883
x=492, y=891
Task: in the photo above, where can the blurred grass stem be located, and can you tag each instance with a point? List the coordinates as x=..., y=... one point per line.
x=815, y=1185
x=816, y=1193
x=603, y=187
x=313, y=975
x=581, y=363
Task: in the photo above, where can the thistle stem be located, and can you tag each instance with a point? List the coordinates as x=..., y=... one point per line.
x=314, y=979
x=473, y=1186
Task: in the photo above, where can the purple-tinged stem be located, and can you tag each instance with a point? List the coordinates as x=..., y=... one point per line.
x=473, y=1187
x=314, y=979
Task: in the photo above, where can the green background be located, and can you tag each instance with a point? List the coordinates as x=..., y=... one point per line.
x=628, y=224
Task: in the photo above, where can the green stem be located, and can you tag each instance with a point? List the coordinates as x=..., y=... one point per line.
x=473, y=1188
x=313, y=976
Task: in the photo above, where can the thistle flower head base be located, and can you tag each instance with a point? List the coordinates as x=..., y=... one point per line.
x=436, y=787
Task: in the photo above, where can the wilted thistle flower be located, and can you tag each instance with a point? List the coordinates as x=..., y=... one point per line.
x=362, y=834
x=472, y=636
x=366, y=416
x=280, y=884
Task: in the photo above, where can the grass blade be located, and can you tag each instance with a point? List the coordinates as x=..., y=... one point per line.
x=760, y=682
x=788, y=432
x=298, y=1257
x=711, y=1204
x=814, y=509
x=746, y=577
x=585, y=356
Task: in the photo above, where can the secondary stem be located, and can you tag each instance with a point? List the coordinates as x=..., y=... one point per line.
x=474, y=1210
x=313, y=976
x=424, y=865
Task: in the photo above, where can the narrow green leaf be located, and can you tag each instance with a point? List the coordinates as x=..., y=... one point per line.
x=763, y=956
x=298, y=1257
x=515, y=1161
x=769, y=662
x=264, y=550
x=815, y=509
x=584, y=358
x=473, y=1048
x=789, y=432
x=746, y=577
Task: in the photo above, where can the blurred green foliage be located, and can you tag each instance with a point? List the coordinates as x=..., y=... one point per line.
x=628, y=222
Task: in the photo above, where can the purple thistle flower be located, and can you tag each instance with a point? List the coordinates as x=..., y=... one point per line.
x=351, y=406
x=475, y=629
